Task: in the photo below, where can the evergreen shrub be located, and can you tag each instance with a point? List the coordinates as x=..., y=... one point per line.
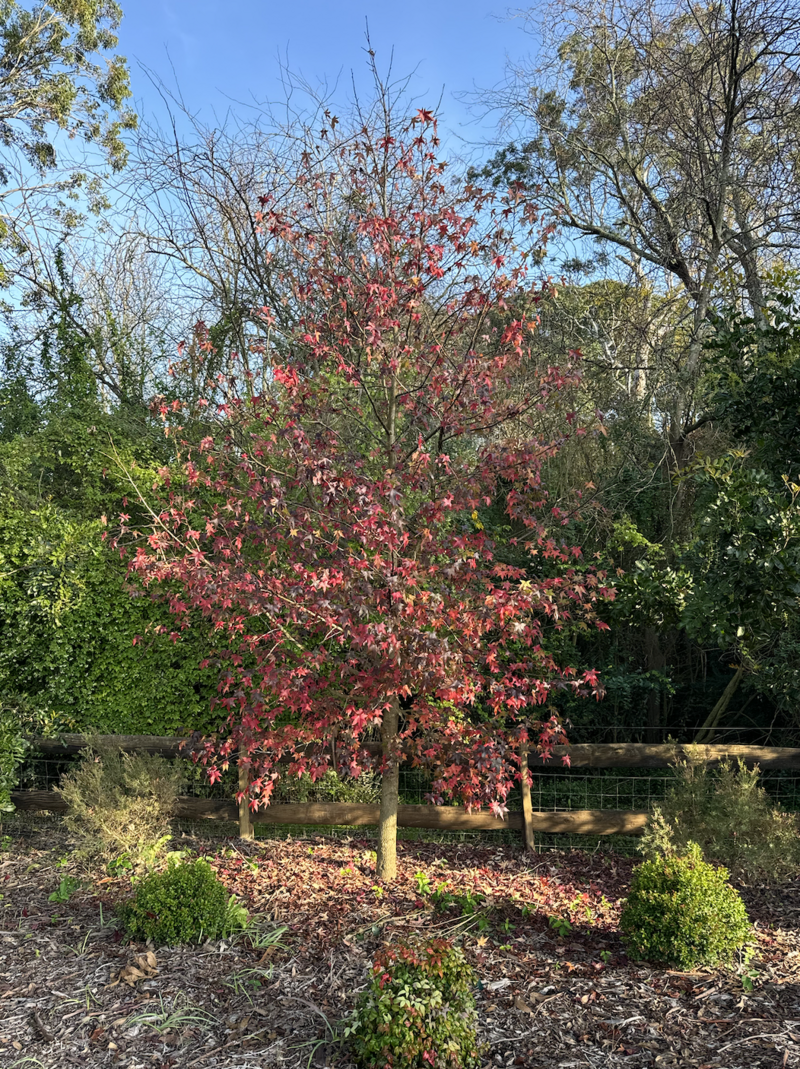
x=682, y=912
x=120, y=804
x=419, y=1010
x=186, y=903
x=732, y=818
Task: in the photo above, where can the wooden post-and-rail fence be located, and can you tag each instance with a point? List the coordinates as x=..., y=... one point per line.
x=441, y=818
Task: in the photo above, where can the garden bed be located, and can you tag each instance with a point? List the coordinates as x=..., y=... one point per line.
x=556, y=988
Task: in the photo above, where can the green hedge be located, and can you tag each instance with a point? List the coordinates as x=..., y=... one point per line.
x=67, y=629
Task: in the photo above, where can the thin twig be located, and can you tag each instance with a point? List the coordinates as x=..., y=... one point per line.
x=46, y=1034
x=747, y=1039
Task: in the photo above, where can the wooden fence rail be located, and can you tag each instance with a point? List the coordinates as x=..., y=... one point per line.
x=582, y=755
x=442, y=818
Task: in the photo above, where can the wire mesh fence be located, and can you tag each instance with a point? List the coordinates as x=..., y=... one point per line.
x=555, y=788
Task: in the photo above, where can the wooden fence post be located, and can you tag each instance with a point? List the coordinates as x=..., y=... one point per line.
x=527, y=806
x=245, y=816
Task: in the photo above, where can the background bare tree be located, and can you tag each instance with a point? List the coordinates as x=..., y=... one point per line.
x=666, y=134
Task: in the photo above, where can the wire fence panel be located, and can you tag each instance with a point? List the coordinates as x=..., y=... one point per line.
x=555, y=788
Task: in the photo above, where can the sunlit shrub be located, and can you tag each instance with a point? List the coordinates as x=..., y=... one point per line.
x=120, y=804
x=184, y=904
x=730, y=815
x=681, y=911
x=419, y=1010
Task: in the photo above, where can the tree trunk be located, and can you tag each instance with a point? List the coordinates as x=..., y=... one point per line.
x=386, y=867
x=656, y=661
x=706, y=732
x=245, y=819
x=527, y=804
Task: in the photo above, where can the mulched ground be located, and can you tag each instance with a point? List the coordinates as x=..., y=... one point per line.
x=73, y=993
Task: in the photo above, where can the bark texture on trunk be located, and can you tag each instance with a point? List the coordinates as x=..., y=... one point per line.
x=711, y=723
x=527, y=804
x=386, y=866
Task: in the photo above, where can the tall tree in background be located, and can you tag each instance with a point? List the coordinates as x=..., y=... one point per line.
x=60, y=86
x=662, y=137
x=330, y=529
x=665, y=133
x=192, y=199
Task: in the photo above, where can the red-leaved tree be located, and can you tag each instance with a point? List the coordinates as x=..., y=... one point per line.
x=330, y=526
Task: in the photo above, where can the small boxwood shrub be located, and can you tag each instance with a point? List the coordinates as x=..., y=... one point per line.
x=184, y=904
x=683, y=912
x=419, y=1010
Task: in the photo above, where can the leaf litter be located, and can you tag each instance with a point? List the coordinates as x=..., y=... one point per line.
x=555, y=986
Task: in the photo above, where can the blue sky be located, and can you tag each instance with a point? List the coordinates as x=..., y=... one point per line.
x=218, y=51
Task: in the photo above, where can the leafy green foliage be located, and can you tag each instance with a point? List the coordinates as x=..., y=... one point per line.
x=364, y=789
x=560, y=925
x=418, y=1011
x=69, y=629
x=121, y=803
x=652, y=590
x=184, y=904
x=19, y=412
x=731, y=817
x=69, y=635
x=443, y=897
x=683, y=912
x=468, y=903
x=52, y=56
x=749, y=536
x=423, y=883
x=73, y=642
x=57, y=75
x=67, y=887
x=755, y=380
x=13, y=748
x=745, y=556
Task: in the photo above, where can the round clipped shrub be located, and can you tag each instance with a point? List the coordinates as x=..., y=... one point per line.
x=419, y=1010
x=184, y=904
x=683, y=912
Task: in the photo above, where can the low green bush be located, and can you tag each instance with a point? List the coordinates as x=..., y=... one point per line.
x=732, y=818
x=419, y=1010
x=120, y=804
x=184, y=904
x=682, y=912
